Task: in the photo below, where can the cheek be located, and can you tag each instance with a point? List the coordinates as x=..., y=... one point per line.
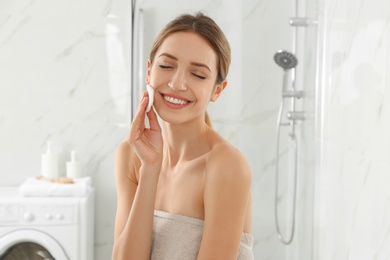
x=157, y=78
x=206, y=92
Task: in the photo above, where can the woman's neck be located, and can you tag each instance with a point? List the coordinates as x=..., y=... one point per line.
x=185, y=141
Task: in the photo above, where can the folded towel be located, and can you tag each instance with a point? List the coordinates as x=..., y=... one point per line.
x=33, y=187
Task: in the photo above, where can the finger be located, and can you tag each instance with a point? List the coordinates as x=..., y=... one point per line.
x=135, y=133
x=144, y=103
x=140, y=114
x=153, y=121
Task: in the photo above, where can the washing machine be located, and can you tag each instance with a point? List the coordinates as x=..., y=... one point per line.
x=59, y=228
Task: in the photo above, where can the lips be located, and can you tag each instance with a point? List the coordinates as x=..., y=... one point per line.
x=175, y=101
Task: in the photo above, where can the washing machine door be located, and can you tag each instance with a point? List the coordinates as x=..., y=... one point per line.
x=32, y=243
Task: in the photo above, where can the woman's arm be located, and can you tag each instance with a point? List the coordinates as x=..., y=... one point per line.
x=142, y=154
x=226, y=196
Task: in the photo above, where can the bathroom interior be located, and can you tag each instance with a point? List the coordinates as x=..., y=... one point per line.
x=71, y=73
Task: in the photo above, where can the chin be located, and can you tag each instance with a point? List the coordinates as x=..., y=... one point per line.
x=179, y=116
x=172, y=119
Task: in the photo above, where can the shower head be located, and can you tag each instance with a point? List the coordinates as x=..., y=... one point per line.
x=285, y=60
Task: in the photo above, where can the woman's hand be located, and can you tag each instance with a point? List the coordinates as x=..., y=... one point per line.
x=147, y=143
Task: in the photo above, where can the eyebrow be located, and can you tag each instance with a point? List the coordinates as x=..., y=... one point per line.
x=192, y=63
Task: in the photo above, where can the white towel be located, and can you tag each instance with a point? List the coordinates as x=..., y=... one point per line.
x=177, y=237
x=33, y=187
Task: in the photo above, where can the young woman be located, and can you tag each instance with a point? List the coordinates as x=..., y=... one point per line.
x=183, y=192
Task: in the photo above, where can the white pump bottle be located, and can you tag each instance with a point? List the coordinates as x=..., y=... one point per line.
x=49, y=163
x=73, y=167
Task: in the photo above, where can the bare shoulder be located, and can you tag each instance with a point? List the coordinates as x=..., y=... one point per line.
x=123, y=149
x=226, y=161
x=226, y=199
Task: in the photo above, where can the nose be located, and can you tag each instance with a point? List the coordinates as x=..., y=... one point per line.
x=178, y=81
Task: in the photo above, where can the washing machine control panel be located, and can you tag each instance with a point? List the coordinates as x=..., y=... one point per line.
x=9, y=213
x=39, y=213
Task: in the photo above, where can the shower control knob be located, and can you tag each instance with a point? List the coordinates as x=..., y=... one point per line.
x=302, y=21
x=293, y=94
x=296, y=115
x=299, y=21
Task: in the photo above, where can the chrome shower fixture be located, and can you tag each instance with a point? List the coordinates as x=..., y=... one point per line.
x=285, y=60
x=299, y=21
x=302, y=21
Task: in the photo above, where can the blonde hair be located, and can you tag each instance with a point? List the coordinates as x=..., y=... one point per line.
x=210, y=31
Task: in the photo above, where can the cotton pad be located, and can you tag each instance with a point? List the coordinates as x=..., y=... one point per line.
x=151, y=97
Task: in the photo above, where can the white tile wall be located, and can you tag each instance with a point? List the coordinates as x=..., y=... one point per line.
x=64, y=76
x=352, y=194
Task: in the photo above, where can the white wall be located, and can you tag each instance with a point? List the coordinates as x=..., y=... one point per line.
x=64, y=76
x=353, y=180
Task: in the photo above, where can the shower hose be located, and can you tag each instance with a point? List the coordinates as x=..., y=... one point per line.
x=292, y=135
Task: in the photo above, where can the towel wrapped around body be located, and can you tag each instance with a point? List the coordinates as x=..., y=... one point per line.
x=177, y=237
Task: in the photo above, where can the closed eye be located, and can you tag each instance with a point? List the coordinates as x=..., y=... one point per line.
x=165, y=67
x=198, y=76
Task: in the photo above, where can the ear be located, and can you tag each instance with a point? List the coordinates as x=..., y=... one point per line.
x=148, y=72
x=218, y=91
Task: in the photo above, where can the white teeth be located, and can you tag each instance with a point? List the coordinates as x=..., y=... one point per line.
x=175, y=100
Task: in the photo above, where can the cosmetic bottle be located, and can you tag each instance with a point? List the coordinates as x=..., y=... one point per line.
x=49, y=163
x=73, y=167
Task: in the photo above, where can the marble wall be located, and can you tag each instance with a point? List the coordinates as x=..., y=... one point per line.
x=267, y=30
x=353, y=171
x=65, y=77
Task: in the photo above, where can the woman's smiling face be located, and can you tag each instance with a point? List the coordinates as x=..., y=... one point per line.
x=183, y=74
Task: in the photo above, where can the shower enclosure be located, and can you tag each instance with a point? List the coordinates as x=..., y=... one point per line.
x=256, y=30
